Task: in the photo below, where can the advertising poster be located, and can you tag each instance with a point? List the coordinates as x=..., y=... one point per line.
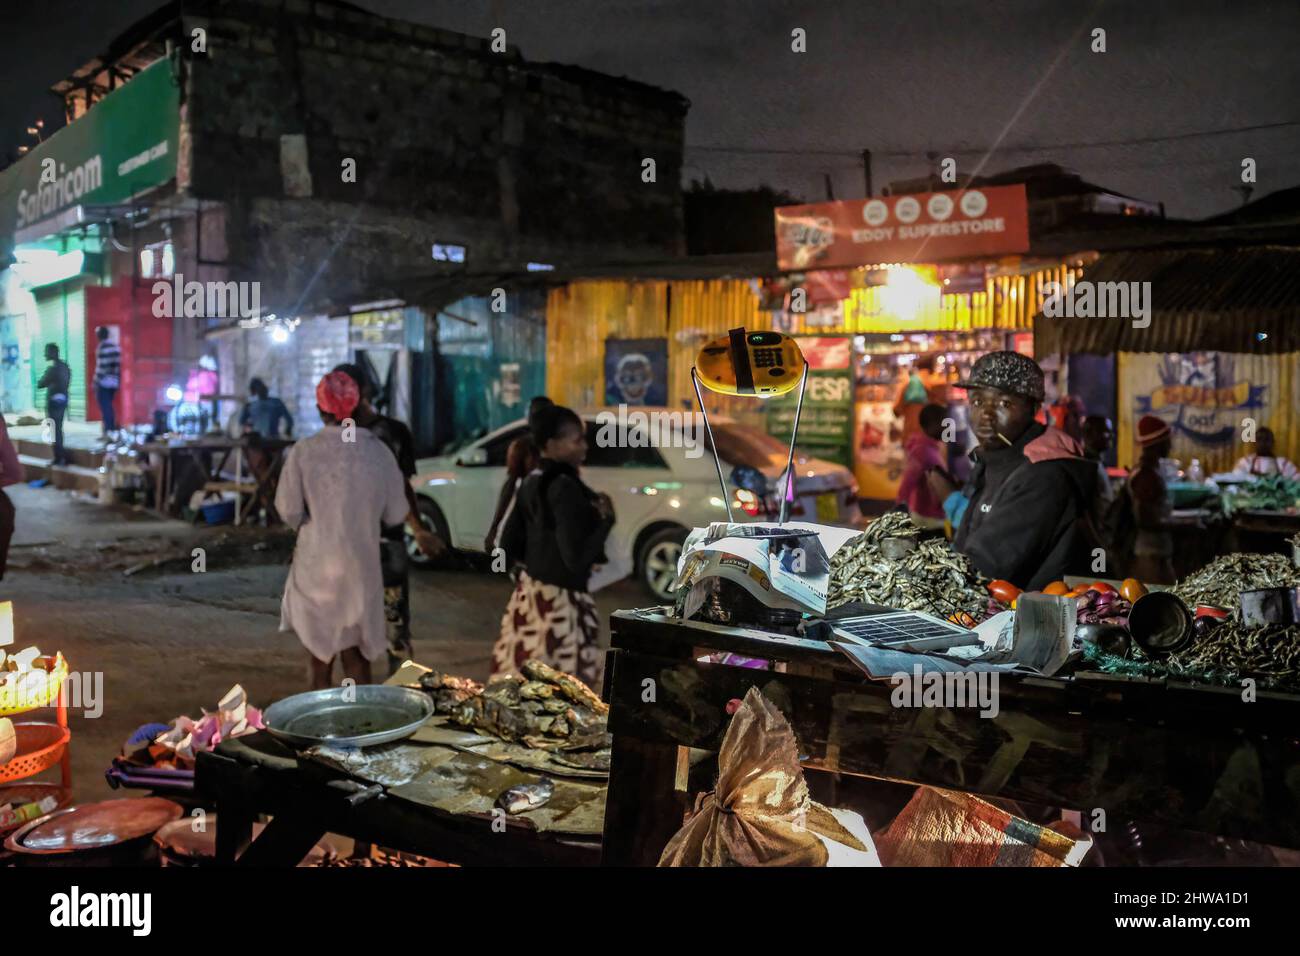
x=878, y=444
x=636, y=371
x=1207, y=398
x=826, y=426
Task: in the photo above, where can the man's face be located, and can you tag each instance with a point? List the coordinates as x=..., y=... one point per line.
x=1098, y=435
x=994, y=412
x=1265, y=442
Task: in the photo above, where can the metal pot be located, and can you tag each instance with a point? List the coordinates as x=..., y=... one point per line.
x=1160, y=623
x=1265, y=606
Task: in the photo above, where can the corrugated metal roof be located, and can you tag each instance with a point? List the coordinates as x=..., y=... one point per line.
x=1201, y=299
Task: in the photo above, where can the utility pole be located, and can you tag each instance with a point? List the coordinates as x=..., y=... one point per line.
x=866, y=169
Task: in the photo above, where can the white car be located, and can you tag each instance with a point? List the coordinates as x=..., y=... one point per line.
x=659, y=494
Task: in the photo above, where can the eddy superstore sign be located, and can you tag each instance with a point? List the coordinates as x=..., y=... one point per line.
x=923, y=227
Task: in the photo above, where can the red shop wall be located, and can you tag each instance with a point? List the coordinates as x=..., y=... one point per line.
x=146, y=343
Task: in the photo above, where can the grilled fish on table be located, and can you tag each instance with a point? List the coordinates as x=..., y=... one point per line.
x=545, y=709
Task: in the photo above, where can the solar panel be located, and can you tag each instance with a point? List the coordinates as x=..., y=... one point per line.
x=904, y=630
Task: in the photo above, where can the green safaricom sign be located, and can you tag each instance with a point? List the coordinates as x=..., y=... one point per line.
x=125, y=144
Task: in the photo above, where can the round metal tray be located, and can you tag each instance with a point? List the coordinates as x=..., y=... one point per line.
x=360, y=716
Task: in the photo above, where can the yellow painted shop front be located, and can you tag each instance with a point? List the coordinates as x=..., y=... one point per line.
x=891, y=315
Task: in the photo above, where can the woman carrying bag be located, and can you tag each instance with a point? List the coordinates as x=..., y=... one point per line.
x=557, y=532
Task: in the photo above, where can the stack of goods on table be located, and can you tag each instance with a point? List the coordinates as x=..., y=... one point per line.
x=892, y=565
x=161, y=756
x=1269, y=493
x=545, y=709
x=30, y=681
x=1237, y=617
x=1245, y=625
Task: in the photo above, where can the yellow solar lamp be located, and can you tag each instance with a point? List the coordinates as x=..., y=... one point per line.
x=757, y=364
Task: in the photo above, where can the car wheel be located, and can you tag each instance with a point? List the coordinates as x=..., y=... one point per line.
x=658, y=561
x=431, y=517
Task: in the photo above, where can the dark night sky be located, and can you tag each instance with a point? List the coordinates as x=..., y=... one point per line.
x=902, y=77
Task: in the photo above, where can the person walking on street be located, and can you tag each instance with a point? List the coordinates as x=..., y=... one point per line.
x=393, y=558
x=108, y=378
x=56, y=381
x=337, y=489
x=522, y=459
x=557, y=531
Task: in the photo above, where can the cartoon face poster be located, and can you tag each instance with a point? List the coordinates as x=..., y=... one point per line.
x=636, y=371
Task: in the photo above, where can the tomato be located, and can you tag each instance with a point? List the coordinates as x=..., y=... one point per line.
x=1101, y=586
x=1004, y=591
x=1057, y=587
x=1132, y=589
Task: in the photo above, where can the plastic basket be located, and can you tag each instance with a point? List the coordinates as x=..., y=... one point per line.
x=40, y=746
x=38, y=694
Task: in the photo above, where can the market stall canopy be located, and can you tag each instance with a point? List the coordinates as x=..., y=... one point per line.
x=1224, y=299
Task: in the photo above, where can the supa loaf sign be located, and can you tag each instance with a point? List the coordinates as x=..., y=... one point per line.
x=924, y=227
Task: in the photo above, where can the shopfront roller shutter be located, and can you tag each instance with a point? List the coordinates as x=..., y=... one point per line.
x=61, y=319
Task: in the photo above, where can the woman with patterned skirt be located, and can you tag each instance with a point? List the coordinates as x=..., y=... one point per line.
x=557, y=532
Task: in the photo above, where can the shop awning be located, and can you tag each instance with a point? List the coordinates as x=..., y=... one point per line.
x=1221, y=299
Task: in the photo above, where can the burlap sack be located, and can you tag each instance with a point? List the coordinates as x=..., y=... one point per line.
x=760, y=814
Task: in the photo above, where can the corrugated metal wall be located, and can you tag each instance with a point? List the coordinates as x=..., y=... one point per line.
x=474, y=343
x=582, y=315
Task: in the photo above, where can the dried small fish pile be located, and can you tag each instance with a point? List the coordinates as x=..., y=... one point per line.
x=545, y=709
x=1223, y=579
x=1231, y=650
x=932, y=577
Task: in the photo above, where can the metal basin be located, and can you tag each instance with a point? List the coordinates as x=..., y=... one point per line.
x=360, y=716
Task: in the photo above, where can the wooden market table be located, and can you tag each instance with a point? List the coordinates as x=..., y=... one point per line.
x=1167, y=753
x=213, y=454
x=256, y=774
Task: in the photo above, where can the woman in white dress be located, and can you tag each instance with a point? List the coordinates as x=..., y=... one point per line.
x=338, y=488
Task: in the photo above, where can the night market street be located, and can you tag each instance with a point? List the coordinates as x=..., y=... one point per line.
x=597, y=436
x=172, y=641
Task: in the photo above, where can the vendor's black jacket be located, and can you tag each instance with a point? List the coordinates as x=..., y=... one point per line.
x=1028, y=517
x=555, y=529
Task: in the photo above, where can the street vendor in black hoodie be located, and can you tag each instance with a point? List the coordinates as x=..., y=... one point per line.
x=1031, y=490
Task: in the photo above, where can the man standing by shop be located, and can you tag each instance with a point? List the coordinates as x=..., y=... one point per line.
x=56, y=381
x=1031, y=490
x=393, y=557
x=108, y=378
